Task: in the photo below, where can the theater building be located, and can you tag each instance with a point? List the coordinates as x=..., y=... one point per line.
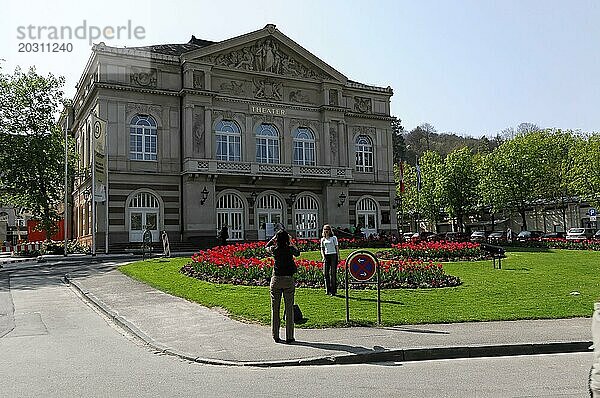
x=249, y=132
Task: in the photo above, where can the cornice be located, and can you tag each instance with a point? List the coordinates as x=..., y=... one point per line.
x=103, y=48
x=369, y=116
x=267, y=104
x=120, y=87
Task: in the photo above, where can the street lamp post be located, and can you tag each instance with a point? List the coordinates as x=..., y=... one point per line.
x=66, y=212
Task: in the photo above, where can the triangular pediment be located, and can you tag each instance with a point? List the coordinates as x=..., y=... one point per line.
x=266, y=51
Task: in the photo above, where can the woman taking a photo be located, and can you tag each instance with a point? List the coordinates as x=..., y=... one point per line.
x=282, y=283
x=330, y=253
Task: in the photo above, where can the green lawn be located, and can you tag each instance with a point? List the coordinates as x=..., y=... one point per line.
x=530, y=285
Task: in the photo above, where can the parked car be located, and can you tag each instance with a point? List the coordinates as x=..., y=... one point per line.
x=457, y=237
x=436, y=237
x=421, y=236
x=579, y=234
x=497, y=237
x=553, y=235
x=407, y=236
x=596, y=235
x=528, y=236
x=478, y=236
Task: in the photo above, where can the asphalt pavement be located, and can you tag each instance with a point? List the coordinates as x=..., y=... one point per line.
x=175, y=326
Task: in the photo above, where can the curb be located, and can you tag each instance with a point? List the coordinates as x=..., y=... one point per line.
x=400, y=355
x=17, y=260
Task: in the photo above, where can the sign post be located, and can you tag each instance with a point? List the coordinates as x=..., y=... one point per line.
x=99, y=176
x=362, y=265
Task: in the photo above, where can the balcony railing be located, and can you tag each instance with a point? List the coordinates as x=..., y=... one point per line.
x=211, y=166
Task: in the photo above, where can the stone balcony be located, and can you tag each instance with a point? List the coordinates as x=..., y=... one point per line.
x=219, y=167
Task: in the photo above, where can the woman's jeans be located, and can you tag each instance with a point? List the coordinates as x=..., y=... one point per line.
x=330, y=271
x=282, y=285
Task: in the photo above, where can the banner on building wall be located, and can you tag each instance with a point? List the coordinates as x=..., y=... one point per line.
x=100, y=166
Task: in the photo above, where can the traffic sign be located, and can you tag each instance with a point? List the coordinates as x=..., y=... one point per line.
x=592, y=212
x=362, y=266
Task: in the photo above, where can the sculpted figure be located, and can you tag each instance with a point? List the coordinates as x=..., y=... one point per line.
x=247, y=60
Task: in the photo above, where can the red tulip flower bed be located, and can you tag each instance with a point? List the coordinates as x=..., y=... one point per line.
x=250, y=264
x=435, y=251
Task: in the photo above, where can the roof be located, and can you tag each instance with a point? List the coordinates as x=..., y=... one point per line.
x=176, y=49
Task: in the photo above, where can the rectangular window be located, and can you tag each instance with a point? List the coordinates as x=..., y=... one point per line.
x=136, y=221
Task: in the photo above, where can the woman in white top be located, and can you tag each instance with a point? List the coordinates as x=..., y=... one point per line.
x=330, y=253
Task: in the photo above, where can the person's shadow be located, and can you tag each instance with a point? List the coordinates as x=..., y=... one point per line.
x=340, y=347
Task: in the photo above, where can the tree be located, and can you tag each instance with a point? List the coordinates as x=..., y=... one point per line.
x=399, y=146
x=429, y=197
x=557, y=186
x=512, y=176
x=408, y=196
x=526, y=128
x=32, y=144
x=459, y=180
x=585, y=173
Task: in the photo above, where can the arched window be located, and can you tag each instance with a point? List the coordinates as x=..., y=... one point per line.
x=366, y=216
x=144, y=210
x=364, y=154
x=142, y=138
x=229, y=141
x=269, y=213
x=267, y=144
x=306, y=210
x=304, y=146
x=230, y=210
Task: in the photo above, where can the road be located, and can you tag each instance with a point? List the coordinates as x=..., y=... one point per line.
x=61, y=347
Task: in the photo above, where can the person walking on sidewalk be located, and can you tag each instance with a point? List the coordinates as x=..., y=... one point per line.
x=282, y=283
x=330, y=254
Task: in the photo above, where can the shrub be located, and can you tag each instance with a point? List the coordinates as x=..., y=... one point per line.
x=435, y=251
x=249, y=264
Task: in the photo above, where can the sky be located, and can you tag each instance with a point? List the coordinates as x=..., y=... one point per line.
x=472, y=68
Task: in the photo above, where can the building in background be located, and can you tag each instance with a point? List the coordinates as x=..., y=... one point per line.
x=14, y=225
x=247, y=132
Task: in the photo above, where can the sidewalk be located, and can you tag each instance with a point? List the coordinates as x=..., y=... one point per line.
x=8, y=262
x=178, y=327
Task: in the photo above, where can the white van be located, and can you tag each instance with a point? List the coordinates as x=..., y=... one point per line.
x=579, y=234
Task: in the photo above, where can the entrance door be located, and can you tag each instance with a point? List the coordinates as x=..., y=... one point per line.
x=366, y=216
x=269, y=213
x=141, y=219
x=143, y=212
x=264, y=219
x=230, y=209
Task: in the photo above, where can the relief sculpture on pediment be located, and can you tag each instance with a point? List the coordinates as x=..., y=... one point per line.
x=267, y=89
x=300, y=97
x=362, y=105
x=265, y=56
x=143, y=77
x=232, y=87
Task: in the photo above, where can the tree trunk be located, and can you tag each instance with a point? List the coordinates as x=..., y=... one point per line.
x=523, y=218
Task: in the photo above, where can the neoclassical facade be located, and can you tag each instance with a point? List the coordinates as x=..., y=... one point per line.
x=249, y=132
